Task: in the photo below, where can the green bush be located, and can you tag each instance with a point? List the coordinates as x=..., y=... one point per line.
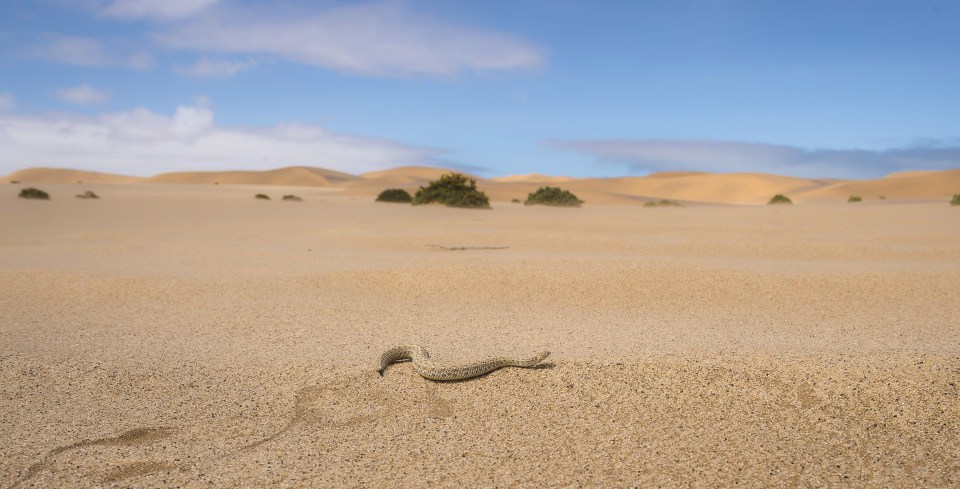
x=780, y=199
x=33, y=193
x=262, y=197
x=292, y=198
x=453, y=190
x=854, y=198
x=553, y=196
x=663, y=203
x=395, y=195
x=89, y=194
x=956, y=199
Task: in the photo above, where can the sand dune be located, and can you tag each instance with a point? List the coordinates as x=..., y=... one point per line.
x=690, y=187
x=409, y=178
x=65, y=175
x=294, y=175
x=411, y=173
x=532, y=177
x=912, y=173
x=738, y=188
x=919, y=185
x=672, y=174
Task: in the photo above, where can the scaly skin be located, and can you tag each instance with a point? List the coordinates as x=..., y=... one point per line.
x=426, y=368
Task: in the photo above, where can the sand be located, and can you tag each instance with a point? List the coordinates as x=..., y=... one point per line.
x=188, y=335
x=688, y=187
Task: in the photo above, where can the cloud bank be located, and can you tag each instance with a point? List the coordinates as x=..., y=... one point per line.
x=143, y=142
x=86, y=51
x=160, y=9
x=651, y=155
x=215, y=68
x=8, y=103
x=379, y=38
x=384, y=38
x=83, y=95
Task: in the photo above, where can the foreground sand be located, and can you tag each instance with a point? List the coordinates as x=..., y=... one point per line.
x=176, y=335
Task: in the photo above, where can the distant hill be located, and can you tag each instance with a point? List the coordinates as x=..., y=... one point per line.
x=691, y=187
x=407, y=173
x=532, y=178
x=64, y=175
x=294, y=175
x=904, y=185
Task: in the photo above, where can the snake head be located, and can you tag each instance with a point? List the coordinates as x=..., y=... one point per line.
x=380, y=371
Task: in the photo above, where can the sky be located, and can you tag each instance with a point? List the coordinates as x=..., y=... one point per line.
x=817, y=89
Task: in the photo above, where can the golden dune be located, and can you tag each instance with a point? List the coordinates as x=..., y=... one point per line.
x=294, y=175
x=65, y=175
x=690, y=187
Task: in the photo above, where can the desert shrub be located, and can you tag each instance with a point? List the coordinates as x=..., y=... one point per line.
x=262, y=197
x=33, y=193
x=956, y=199
x=553, y=196
x=292, y=198
x=515, y=201
x=14, y=181
x=882, y=197
x=780, y=199
x=89, y=194
x=663, y=203
x=395, y=195
x=453, y=190
x=854, y=198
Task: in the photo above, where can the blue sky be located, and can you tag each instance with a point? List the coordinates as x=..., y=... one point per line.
x=845, y=89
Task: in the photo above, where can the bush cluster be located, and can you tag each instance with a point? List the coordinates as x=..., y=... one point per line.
x=89, y=194
x=453, y=190
x=33, y=193
x=854, y=198
x=956, y=199
x=780, y=199
x=553, y=196
x=262, y=197
x=293, y=198
x=395, y=195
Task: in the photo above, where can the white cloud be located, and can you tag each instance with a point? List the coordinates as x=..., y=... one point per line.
x=86, y=51
x=162, y=9
x=216, y=68
x=144, y=142
x=646, y=155
x=382, y=38
x=8, y=103
x=82, y=51
x=83, y=95
x=140, y=60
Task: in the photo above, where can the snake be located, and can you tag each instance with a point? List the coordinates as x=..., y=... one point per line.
x=430, y=370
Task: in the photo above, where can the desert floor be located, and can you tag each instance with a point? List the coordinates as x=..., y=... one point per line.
x=183, y=335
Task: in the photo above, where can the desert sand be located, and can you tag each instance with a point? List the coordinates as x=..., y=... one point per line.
x=686, y=187
x=183, y=335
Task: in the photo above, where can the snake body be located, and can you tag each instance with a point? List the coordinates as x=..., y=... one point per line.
x=426, y=368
